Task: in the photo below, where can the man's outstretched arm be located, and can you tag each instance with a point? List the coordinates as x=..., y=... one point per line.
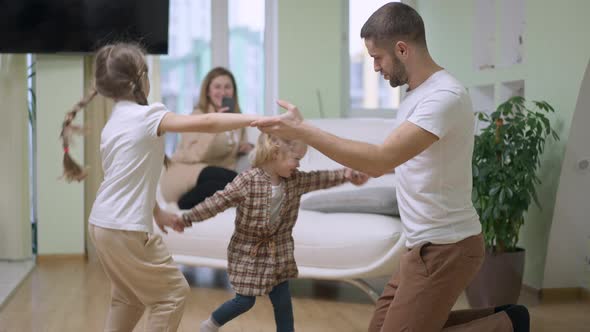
x=404, y=143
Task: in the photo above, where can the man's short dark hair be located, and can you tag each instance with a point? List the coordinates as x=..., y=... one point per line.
x=395, y=21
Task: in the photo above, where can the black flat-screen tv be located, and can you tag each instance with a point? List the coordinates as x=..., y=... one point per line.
x=81, y=26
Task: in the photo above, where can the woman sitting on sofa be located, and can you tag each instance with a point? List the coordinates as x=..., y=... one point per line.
x=204, y=163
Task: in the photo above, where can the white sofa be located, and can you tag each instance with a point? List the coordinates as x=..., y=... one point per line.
x=333, y=246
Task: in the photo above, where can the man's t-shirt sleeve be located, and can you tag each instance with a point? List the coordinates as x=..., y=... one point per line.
x=437, y=113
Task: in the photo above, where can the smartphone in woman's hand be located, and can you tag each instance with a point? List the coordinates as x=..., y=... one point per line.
x=229, y=103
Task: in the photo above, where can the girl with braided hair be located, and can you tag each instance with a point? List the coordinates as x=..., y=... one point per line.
x=142, y=273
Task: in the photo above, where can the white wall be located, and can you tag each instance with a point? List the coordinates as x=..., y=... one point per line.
x=60, y=84
x=569, y=242
x=312, y=35
x=15, y=225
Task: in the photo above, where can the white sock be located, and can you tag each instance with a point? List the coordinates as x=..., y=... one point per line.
x=209, y=325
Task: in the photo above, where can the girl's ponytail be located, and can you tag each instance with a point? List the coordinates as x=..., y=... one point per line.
x=72, y=170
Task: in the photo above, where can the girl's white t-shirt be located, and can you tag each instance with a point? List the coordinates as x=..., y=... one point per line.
x=132, y=159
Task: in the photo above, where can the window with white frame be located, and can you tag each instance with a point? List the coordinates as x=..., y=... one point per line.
x=189, y=54
x=368, y=90
x=246, y=52
x=208, y=33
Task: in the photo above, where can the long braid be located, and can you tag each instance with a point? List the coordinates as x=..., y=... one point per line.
x=72, y=170
x=119, y=74
x=137, y=89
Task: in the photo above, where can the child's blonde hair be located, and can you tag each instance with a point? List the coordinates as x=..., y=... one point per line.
x=120, y=72
x=268, y=146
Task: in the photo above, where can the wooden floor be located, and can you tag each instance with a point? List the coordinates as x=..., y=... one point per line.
x=73, y=296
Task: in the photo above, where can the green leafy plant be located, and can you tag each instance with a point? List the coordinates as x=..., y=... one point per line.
x=506, y=157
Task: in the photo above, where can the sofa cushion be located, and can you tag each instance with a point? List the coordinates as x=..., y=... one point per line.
x=379, y=200
x=343, y=240
x=327, y=240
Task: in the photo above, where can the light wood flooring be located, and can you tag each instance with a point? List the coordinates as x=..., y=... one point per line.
x=73, y=295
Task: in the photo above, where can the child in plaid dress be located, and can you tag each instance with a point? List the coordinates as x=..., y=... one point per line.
x=260, y=253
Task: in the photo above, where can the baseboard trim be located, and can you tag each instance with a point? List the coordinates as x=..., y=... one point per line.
x=531, y=291
x=52, y=258
x=565, y=294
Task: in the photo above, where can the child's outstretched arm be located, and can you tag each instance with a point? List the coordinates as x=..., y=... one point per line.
x=232, y=195
x=310, y=181
x=206, y=123
x=210, y=122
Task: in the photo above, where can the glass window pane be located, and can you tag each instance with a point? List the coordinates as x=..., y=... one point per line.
x=246, y=52
x=189, y=53
x=188, y=59
x=367, y=88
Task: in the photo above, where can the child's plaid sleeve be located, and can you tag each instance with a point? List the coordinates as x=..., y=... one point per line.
x=315, y=180
x=232, y=195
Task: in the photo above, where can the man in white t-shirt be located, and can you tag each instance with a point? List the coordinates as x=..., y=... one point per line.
x=431, y=153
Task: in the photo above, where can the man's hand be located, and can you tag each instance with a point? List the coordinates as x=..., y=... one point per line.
x=285, y=126
x=355, y=177
x=166, y=219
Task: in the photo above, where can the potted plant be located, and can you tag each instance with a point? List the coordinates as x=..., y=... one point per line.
x=506, y=156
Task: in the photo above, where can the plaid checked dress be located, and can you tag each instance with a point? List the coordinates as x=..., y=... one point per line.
x=260, y=252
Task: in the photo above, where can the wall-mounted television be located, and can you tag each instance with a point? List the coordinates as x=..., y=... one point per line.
x=81, y=26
